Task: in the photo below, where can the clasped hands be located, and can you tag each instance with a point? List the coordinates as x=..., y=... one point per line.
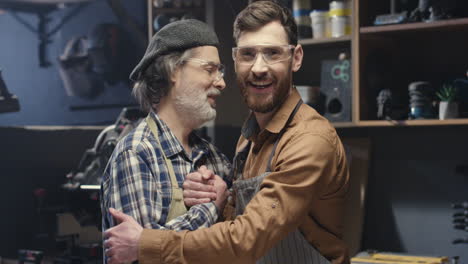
x=204, y=186
x=121, y=241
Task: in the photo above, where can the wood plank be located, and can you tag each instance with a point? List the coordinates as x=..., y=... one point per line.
x=343, y=124
x=321, y=41
x=419, y=26
x=149, y=6
x=423, y=122
x=355, y=71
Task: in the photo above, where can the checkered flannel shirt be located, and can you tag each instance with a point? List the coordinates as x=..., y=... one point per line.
x=136, y=179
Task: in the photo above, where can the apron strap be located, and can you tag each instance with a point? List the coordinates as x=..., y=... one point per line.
x=291, y=116
x=152, y=126
x=177, y=206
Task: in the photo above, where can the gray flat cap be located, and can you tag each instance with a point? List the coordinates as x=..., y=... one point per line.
x=176, y=36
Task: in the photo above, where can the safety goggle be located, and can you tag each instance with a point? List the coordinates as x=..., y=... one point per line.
x=271, y=54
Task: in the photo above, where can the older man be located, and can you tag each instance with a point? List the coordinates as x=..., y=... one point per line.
x=177, y=82
x=290, y=168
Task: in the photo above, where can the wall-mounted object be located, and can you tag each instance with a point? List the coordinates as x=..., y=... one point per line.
x=42, y=8
x=8, y=102
x=336, y=86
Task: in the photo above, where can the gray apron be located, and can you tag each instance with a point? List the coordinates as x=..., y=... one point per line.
x=294, y=248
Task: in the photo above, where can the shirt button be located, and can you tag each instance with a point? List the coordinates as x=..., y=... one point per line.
x=273, y=205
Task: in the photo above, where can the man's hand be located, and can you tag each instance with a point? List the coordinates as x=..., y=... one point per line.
x=221, y=192
x=121, y=241
x=198, y=187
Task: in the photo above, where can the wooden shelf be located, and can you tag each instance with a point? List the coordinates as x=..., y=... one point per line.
x=343, y=124
x=425, y=122
x=401, y=123
x=449, y=24
x=323, y=41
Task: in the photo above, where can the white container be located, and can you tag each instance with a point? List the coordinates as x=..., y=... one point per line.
x=340, y=26
x=448, y=110
x=340, y=18
x=342, y=8
x=319, y=20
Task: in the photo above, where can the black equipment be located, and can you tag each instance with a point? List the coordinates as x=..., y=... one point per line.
x=30, y=256
x=8, y=102
x=83, y=183
x=335, y=84
x=87, y=176
x=421, y=95
x=460, y=220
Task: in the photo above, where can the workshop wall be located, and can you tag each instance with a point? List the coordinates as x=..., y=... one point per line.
x=412, y=184
x=230, y=105
x=31, y=159
x=41, y=157
x=41, y=93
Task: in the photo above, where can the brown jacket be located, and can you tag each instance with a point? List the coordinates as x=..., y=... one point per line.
x=305, y=190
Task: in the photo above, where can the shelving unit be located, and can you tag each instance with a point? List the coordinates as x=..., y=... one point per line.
x=318, y=50
x=200, y=13
x=422, y=51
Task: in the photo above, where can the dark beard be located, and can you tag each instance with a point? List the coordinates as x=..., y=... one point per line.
x=279, y=96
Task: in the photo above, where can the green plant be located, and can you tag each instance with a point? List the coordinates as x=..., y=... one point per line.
x=447, y=93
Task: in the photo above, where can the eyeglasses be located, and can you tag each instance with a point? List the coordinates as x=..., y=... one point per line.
x=247, y=55
x=215, y=70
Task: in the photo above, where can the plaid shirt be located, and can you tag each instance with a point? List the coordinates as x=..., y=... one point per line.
x=137, y=182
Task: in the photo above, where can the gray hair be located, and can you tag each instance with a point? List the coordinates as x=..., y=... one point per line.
x=155, y=82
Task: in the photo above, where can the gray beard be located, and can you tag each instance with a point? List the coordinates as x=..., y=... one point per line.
x=194, y=111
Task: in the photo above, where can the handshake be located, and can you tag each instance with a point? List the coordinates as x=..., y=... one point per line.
x=204, y=186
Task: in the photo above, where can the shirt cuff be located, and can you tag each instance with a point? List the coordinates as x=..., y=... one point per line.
x=212, y=213
x=149, y=250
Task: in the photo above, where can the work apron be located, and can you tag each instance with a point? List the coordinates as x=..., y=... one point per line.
x=294, y=249
x=177, y=205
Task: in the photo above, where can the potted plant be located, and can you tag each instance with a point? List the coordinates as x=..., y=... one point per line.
x=448, y=107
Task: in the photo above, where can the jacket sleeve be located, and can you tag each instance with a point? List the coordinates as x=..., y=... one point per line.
x=278, y=208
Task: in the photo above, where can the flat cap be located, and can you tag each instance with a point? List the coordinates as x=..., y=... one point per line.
x=176, y=36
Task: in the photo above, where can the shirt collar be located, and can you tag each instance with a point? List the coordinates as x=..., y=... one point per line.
x=169, y=142
x=250, y=128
